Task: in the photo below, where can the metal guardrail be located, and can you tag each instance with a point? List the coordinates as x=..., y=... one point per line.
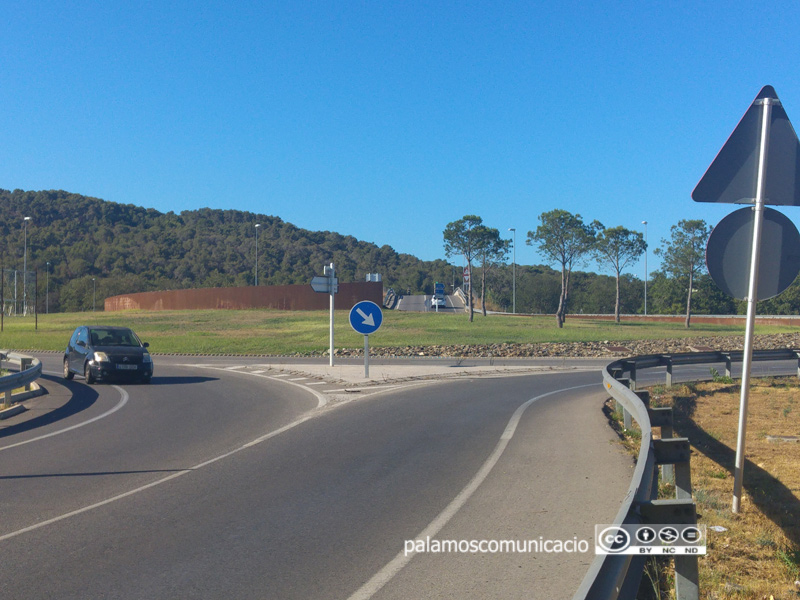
x=30, y=369
x=617, y=577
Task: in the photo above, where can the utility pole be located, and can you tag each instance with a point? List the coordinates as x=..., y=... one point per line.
x=514, y=270
x=645, y=267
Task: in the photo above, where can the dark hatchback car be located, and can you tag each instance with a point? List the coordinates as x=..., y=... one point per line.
x=103, y=353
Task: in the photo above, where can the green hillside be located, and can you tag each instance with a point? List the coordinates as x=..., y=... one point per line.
x=130, y=249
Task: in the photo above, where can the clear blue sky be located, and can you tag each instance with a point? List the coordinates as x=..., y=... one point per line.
x=387, y=120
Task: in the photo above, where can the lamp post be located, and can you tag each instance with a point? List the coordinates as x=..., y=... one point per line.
x=47, y=291
x=257, y=226
x=645, y=267
x=514, y=271
x=94, y=294
x=25, y=268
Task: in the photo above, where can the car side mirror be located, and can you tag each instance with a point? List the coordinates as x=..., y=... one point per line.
x=146, y=345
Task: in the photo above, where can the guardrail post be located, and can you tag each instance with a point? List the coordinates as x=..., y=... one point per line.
x=7, y=399
x=677, y=452
x=630, y=366
x=729, y=369
x=669, y=370
x=678, y=512
x=797, y=354
x=627, y=421
x=24, y=364
x=662, y=418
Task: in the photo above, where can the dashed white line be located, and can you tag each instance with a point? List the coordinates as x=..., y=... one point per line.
x=321, y=399
x=155, y=483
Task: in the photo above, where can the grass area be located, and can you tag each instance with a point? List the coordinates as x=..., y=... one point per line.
x=754, y=554
x=286, y=332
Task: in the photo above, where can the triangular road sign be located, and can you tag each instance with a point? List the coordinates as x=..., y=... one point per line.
x=732, y=177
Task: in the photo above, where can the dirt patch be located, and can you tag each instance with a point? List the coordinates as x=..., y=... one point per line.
x=755, y=554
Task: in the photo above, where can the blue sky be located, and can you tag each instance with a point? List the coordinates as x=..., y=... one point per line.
x=386, y=120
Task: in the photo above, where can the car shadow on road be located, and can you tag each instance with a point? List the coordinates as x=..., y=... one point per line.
x=82, y=397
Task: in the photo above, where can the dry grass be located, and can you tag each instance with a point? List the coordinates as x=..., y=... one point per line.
x=757, y=556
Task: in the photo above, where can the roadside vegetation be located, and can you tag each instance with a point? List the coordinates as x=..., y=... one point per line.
x=753, y=555
x=81, y=250
x=276, y=332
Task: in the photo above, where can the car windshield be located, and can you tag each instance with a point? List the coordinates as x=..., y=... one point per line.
x=113, y=337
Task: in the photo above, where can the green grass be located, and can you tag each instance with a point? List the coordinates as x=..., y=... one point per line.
x=282, y=332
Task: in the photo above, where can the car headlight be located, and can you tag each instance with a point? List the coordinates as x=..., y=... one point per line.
x=146, y=358
x=100, y=357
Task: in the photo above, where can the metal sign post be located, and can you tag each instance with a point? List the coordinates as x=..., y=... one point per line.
x=741, y=174
x=366, y=357
x=365, y=318
x=331, y=273
x=328, y=284
x=752, y=298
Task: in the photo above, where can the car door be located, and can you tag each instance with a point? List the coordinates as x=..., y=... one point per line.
x=79, y=353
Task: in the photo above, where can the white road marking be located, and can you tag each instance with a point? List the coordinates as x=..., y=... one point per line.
x=154, y=483
x=120, y=404
x=382, y=577
x=321, y=400
x=235, y=367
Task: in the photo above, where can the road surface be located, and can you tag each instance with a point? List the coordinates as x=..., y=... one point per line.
x=228, y=478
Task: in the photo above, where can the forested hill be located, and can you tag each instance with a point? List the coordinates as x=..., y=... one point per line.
x=128, y=249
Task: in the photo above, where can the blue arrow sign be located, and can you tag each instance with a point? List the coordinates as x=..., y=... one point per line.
x=366, y=317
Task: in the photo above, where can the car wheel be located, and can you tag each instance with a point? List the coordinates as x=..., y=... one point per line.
x=87, y=373
x=67, y=373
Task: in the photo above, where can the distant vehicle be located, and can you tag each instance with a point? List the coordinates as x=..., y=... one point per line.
x=104, y=353
x=438, y=299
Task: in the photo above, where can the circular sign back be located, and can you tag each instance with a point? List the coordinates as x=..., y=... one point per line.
x=728, y=253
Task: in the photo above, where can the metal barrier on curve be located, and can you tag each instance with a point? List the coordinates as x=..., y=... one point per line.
x=30, y=369
x=617, y=577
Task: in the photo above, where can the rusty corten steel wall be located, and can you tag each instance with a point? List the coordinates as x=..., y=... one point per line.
x=283, y=297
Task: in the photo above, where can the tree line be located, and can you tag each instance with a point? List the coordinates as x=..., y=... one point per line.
x=97, y=249
x=128, y=249
x=681, y=286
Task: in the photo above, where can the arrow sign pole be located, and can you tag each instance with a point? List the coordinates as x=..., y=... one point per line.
x=366, y=318
x=366, y=356
x=766, y=111
x=332, y=276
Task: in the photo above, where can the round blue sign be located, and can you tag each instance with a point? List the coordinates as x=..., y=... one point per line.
x=366, y=317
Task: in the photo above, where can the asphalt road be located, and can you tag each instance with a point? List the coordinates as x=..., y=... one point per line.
x=422, y=303
x=214, y=482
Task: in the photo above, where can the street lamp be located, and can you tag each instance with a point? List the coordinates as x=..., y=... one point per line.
x=94, y=293
x=47, y=291
x=645, y=267
x=25, y=268
x=514, y=271
x=257, y=226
